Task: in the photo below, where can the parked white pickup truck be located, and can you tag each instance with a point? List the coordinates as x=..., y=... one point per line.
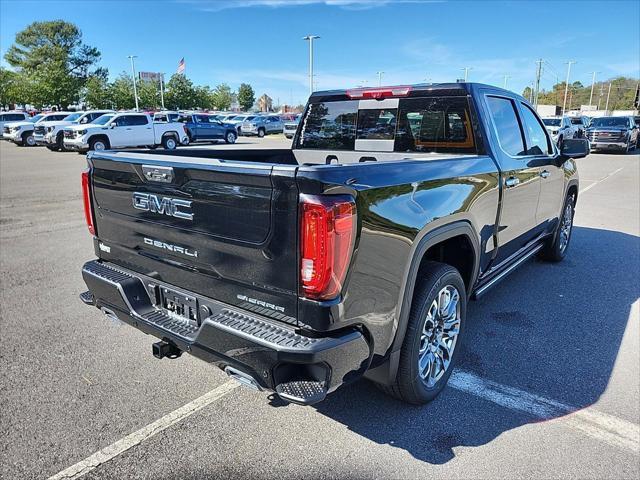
x=126, y=129
x=50, y=133
x=21, y=133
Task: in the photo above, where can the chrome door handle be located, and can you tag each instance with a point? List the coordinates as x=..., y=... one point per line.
x=511, y=182
x=544, y=174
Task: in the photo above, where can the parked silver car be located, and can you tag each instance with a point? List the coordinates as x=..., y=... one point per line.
x=263, y=125
x=290, y=127
x=560, y=128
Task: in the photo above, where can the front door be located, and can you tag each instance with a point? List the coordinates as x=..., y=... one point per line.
x=545, y=157
x=520, y=178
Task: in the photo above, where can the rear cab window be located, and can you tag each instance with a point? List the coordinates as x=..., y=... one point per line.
x=416, y=124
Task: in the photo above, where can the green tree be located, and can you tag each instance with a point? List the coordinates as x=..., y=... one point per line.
x=12, y=88
x=180, y=92
x=246, y=96
x=222, y=97
x=97, y=92
x=203, y=97
x=121, y=92
x=148, y=94
x=57, y=63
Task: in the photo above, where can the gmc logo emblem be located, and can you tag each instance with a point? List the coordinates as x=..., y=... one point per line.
x=173, y=207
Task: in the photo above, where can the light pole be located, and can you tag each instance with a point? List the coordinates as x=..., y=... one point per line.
x=311, y=38
x=466, y=72
x=380, y=73
x=506, y=79
x=133, y=73
x=162, y=90
x=606, y=108
x=566, y=85
x=593, y=82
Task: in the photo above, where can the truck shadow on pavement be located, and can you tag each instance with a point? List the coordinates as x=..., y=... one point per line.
x=553, y=330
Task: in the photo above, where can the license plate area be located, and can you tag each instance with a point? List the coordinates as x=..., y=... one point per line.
x=179, y=305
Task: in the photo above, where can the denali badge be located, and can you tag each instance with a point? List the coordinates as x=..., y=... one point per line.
x=174, y=207
x=172, y=248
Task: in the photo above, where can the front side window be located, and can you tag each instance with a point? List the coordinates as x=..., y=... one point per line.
x=538, y=140
x=329, y=125
x=377, y=124
x=508, y=130
x=434, y=124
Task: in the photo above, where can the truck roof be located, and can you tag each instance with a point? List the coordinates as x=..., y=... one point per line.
x=418, y=89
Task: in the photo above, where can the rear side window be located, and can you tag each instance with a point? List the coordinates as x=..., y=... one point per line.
x=507, y=126
x=377, y=124
x=14, y=117
x=329, y=125
x=136, y=120
x=538, y=141
x=434, y=124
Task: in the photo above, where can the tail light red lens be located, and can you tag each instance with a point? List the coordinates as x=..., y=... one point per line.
x=328, y=229
x=86, y=200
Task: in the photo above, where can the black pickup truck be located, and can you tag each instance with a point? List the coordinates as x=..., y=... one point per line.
x=352, y=254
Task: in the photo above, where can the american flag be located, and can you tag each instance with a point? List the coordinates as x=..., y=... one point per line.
x=181, y=66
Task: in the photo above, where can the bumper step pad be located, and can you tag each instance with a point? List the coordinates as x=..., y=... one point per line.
x=302, y=392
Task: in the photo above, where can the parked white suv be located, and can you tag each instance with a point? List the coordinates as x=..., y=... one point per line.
x=127, y=129
x=560, y=128
x=21, y=133
x=50, y=133
x=12, y=116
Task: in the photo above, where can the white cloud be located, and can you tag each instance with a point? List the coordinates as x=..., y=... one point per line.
x=218, y=5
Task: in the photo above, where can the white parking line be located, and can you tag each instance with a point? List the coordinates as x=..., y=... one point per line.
x=588, y=187
x=606, y=428
x=133, y=439
x=598, y=425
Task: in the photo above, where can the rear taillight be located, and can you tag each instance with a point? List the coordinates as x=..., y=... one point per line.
x=328, y=227
x=86, y=200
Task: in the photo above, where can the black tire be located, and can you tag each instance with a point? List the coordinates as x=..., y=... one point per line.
x=169, y=142
x=409, y=386
x=28, y=140
x=60, y=142
x=556, y=248
x=97, y=144
x=560, y=142
x=230, y=137
x=53, y=148
x=261, y=132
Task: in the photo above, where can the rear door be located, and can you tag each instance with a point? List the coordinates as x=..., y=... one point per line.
x=520, y=177
x=226, y=230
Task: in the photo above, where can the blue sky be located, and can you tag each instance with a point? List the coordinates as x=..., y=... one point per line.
x=260, y=41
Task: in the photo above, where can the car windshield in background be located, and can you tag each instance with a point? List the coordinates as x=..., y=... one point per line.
x=610, y=122
x=34, y=119
x=551, y=122
x=73, y=117
x=574, y=121
x=103, y=119
x=431, y=124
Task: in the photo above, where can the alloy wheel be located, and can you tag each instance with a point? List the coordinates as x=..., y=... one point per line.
x=439, y=335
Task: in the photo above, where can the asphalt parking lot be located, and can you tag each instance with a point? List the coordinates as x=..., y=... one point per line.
x=548, y=385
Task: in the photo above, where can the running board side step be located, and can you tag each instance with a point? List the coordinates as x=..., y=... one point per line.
x=495, y=280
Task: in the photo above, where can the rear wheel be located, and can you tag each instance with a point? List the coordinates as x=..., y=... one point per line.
x=169, y=142
x=230, y=137
x=433, y=335
x=556, y=249
x=261, y=132
x=560, y=142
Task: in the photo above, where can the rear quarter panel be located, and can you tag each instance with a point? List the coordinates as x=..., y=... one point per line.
x=398, y=203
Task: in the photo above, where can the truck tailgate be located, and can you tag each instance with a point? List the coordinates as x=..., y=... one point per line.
x=226, y=230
